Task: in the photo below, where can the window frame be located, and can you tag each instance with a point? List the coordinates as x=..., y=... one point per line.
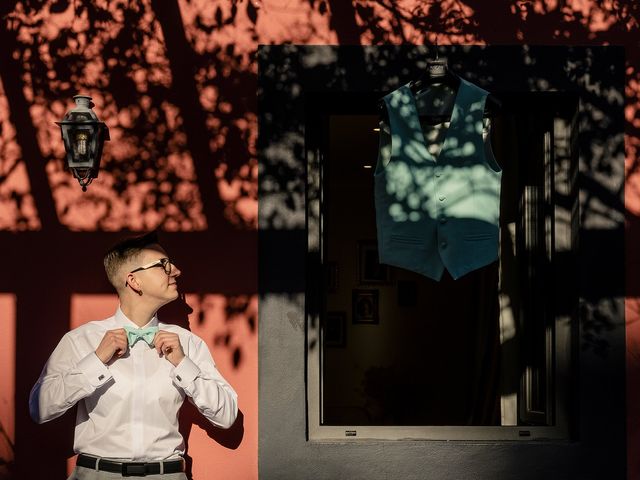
x=559, y=340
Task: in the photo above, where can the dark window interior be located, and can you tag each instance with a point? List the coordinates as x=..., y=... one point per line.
x=401, y=349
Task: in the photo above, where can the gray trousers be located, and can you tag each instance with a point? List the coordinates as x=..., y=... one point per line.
x=82, y=473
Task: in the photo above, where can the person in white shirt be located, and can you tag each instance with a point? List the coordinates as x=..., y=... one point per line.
x=130, y=373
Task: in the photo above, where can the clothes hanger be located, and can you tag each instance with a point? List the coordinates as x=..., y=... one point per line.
x=438, y=72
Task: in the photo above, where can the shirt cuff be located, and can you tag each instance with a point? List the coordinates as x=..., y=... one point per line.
x=96, y=371
x=185, y=372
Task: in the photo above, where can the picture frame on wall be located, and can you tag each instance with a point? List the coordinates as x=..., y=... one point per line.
x=365, y=307
x=335, y=329
x=370, y=270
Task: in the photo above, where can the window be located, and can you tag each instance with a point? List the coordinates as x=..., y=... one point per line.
x=393, y=354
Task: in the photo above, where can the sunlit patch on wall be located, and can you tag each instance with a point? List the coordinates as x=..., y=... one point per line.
x=17, y=208
x=228, y=324
x=453, y=17
x=114, y=52
x=224, y=41
x=237, y=172
x=208, y=28
x=7, y=382
x=86, y=308
x=240, y=194
x=147, y=179
x=594, y=16
x=632, y=142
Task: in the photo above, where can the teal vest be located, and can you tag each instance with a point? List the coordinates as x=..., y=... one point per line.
x=437, y=211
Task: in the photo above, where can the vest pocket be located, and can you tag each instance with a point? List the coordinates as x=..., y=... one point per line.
x=405, y=240
x=476, y=237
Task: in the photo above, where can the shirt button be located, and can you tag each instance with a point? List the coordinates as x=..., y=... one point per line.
x=442, y=198
x=178, y=377
x=443, y=244
x=100, y=377
x=438, y=173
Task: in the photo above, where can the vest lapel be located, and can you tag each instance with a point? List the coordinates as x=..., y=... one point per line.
x=418, y=133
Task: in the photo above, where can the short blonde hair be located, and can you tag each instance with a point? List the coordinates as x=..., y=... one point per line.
x=123, y=252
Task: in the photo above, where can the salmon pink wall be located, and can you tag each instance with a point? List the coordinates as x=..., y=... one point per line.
x=7, y=378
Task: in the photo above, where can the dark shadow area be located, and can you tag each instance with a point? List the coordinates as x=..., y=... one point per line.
x=583, y=283
x=237, y=308
x=176, y=312
x=359, y=70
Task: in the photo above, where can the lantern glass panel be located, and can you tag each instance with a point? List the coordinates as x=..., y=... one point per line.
x=82, y=146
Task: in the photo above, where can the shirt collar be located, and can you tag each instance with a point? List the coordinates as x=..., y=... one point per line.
x=122, y=320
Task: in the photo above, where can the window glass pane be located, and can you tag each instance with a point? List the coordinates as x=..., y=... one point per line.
x=399, y=348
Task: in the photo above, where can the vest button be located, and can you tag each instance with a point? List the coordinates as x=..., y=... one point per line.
x=442, y=198
x=443, y=220
x=443, y=244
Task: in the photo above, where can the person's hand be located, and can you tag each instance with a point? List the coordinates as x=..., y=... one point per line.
x=113, y=344
x=168, y=344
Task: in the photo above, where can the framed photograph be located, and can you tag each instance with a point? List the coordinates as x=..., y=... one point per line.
x=335, y=329
x=370, y=270
x=365, y=307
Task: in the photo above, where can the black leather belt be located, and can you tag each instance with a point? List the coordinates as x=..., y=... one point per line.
x=130, y=469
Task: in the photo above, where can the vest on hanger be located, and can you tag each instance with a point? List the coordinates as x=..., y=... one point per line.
x=437, y=211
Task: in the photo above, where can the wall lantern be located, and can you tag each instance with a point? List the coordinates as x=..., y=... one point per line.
x=83, y=135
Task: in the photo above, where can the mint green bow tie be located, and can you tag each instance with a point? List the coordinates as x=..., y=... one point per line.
x=146, y=334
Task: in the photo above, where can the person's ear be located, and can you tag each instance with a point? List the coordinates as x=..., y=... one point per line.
x=132, y=283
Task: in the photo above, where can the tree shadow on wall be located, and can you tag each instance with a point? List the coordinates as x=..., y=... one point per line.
x=290, y=74
x=177, y=312
x=168, y=142
x=229, y=438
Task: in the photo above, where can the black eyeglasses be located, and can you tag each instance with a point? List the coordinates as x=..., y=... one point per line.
x=165, y=263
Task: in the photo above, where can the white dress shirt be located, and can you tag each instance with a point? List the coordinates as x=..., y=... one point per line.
x=129, y=409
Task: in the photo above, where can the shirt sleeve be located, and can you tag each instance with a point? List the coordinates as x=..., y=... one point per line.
x=200, y=379
x=67, y=377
